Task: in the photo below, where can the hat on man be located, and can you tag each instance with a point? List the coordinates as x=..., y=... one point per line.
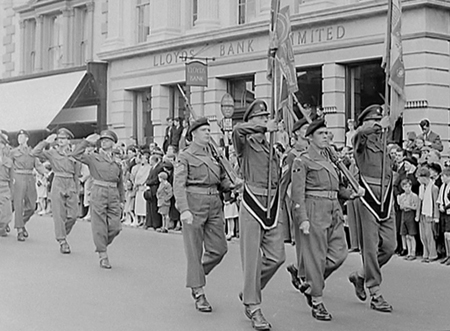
x=108, y=134
x=299, y=124
x=373, y=112
x=315, y=125
x=436, y=167
x=412, y=160
x=25, y=132
x=197, y=124
x=65, y=132
x=256, y=108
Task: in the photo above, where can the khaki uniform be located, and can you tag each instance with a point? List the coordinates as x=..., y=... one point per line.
x=315, y=190
x=377, y=234
x=25, y=195
x=65, y=188
x=262, y=251
x=198, y=178
x=106, y=196
x=6, y=178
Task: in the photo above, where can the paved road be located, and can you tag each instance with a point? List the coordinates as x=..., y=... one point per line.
x=44, y=290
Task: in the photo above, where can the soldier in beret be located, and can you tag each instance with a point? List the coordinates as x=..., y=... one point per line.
x=107, y=196
x=6, y=184
x=261, y=238
x=316, y=187
x=25, y=194
x=65, y=184
x=300, y=145
x=198, y=179
x=377, y=228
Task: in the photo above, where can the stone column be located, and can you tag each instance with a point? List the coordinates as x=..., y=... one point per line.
x=213, y=96
x=263, y=87
x=67, y=14
x=208, y=14
x=115, y=38
x=90, y=32
x=160, y=111
x=333, y=99
x=198, y=100
x=39, y=43
x=22, y=47
x=165, y=19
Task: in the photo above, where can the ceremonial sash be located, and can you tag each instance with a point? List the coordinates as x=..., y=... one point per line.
x=258, y=211
x=373, y=204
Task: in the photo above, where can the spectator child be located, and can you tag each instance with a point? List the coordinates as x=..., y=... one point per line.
x=408, y=202
x=427, y=214
x=231, y=212
x=129, y=217
x=164, y=194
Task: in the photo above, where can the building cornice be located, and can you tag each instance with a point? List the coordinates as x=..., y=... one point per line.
x=328, y=15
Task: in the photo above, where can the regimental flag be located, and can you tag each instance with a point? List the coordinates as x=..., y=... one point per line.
x=395, y=68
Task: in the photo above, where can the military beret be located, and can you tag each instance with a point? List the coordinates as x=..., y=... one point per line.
x=315, y=125
x=109, y=135
x=145, y=151
x=299, y=124
x=411, y=160
x=158, y=151
x=373, y=112
x=436, y=167
x=198, y=123
x=256, y=108
x=22, y=131
x=65, y=132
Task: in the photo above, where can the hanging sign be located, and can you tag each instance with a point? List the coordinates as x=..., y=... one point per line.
x=196, y=74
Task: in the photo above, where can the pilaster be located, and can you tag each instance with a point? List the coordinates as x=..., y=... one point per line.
x=208, y=15
x=90, y=32
x=67, y=58
x=160, y=110
x=39, y=43
x=115, y=35
x=165, y=19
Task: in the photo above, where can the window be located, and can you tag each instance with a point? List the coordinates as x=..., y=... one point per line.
x=309, y=92
x=142, y=120
x=194, y=12
x=242, y=90
x=81, y=37
x=55, y=42
x=143, y=20
x=30, y=46
x=364, y=87
x=177, y=106
x=246, y=11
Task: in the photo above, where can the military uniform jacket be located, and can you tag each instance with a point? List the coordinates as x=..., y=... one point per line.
x=197, y=167
x=286, y=170
x=6, y=169
x=252, y=150
x=311, y=171
x=102, y=166
x=23, y=159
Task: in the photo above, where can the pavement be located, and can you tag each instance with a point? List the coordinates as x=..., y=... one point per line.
x=44, y=290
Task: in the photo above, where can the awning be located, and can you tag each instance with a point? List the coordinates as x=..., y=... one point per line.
x=76, y=115
x=32, y=104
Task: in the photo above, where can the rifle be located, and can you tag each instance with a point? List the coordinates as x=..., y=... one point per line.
x=229, y=170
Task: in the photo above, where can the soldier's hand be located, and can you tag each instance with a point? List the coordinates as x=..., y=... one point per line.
x=51, y=138
x=93, y=138
x=360, y=193
x=304, y=227
x=187, y=217
x=272, y=126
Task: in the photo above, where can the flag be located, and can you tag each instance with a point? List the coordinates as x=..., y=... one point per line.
x=273, y=42
x=395, y=69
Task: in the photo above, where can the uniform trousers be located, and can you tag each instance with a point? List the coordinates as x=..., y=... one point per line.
x=64, y=206
x=353, y=224
x=5, y=208
x=298, y=246
x=262, y=253
x=204, y=239
x=427, y=237
x=105, y=216
x=324, y=249
x=377, y=240
x=25, y=197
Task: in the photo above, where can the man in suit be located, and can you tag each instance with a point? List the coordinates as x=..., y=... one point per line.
x=167, y=134
x=399, y=175
x=176, y=132
x=153, y=218
x=430, y=138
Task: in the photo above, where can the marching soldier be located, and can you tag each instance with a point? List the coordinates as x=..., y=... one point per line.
x=377, y=229
x=261, y=237
x=315, y=190
x=6, y=183
x=107, y=194
x=301, y=144
x=198, y=179
x=65, y=185
x=25, y=195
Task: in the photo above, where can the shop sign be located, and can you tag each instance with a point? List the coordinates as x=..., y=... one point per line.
x=196, y=74
x=227, y=105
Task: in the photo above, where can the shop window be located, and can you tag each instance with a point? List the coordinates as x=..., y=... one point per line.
x=246, y=11
x=194, y=12
x=54, y=41
x=81, y=35
x=364, y=87
x=143, y=20
x=243, y=92
x=309, y=92
x=142, y=120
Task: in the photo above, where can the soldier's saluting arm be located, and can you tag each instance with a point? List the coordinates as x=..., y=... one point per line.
x=240, y=133
x=179, y=183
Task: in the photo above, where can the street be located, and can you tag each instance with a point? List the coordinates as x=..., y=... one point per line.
x=44, y=290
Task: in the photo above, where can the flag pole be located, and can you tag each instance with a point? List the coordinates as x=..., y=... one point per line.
x=386, y=97
x=275, y=7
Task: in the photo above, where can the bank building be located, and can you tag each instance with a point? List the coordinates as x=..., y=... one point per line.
x=117, y=63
